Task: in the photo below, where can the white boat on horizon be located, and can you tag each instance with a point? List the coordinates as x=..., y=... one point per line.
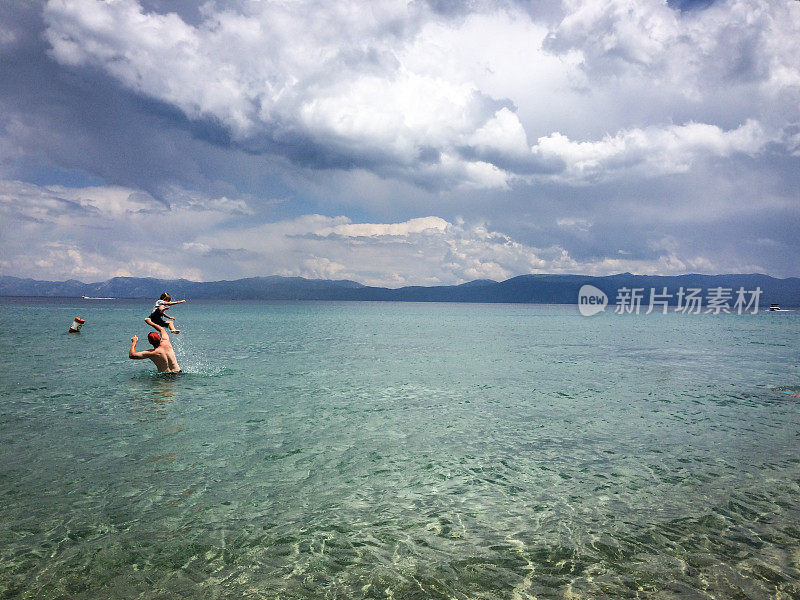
x=85, y=297
x=776, y=308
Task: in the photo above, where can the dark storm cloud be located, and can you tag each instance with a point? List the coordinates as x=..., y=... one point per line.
x=67, y=120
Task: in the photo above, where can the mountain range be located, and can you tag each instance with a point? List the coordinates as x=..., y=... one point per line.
x=548, y=289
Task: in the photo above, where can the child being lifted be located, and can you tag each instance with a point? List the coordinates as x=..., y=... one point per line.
x=156, y=318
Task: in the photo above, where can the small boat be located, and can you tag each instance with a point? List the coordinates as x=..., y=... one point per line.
x=776, y=308
x=85, y=297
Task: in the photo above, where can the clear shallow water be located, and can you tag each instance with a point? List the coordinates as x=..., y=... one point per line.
x=354, y=450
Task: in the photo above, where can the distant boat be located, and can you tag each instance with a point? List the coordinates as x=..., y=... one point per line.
x=775, y=308
x=85, y=297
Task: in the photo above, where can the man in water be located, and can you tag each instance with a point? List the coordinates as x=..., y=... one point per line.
x=162, y=354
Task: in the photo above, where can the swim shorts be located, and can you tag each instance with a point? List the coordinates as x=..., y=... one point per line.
x=156, y=318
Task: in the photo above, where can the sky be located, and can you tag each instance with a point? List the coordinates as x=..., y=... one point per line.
x=396, y=142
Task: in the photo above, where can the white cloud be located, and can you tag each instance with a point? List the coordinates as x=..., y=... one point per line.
x=647, y=152
x=103, y=231
x=412, y=226
x=502, y=133
x=319, y=268
x=50, y=203
x=392, y=87
x=57, y=205
x=198, y=248
x=143, y=237
x=425, y=251
x=635, y=32
x=64, y=260
x=727, y=43
x=327, y=73
x=574, y=223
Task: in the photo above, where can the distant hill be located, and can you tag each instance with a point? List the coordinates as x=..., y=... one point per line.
x=548, y=289
x=252, y=288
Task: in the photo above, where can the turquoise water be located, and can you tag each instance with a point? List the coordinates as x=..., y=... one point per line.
x=387, y=450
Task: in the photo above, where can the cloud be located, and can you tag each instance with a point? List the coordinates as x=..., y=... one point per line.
x=650, y=152
x=103, y=231
x=374, y=140
x=617, y=33
x=77, y=263
x=49, y=203
x=427, y=251
x=207, y=240
x=321, y=82
x=402, y=90
x=574, y=223
x=58, y=205
x=321, y=268
x=742, y=41
x=414, y=226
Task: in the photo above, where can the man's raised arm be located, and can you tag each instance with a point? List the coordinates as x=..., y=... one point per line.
x=132, y=353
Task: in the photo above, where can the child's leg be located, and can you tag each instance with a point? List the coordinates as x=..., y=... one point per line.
x=170, y=323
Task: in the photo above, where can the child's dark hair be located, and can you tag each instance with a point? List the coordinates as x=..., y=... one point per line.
x=166, y=296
